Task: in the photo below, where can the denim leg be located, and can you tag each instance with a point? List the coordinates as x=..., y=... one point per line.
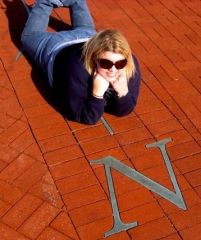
x=39, y=43
x=35, y=36
x=80, y=15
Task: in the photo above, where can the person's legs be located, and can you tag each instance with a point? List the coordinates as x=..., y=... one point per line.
x=80, y=15
x=35, y=36
x=39, y=43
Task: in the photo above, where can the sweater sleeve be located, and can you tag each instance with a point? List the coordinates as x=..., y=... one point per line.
x=124, y=105
x=73, y=86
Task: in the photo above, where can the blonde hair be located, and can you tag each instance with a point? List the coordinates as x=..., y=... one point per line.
x=107, y=40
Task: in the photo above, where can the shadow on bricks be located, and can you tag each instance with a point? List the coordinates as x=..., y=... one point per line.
x=17, y=16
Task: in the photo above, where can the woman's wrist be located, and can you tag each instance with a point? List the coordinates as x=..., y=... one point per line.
x=122, y=94
x=97, y=96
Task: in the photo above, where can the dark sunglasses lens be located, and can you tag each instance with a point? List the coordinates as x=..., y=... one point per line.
x=106, y=64
x=121, y=64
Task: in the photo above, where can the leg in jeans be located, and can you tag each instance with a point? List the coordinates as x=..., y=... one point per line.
x=39, y=43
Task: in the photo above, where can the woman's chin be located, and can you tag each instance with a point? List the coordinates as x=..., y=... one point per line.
x=111, y=78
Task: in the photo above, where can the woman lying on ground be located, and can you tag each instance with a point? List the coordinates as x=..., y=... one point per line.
x=90, y=71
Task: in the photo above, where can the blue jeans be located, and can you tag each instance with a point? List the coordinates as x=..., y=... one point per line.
x=43, y=46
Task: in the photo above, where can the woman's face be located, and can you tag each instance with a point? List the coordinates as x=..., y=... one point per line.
x=112, y=73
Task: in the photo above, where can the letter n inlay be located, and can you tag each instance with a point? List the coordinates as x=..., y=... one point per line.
x=174, y=197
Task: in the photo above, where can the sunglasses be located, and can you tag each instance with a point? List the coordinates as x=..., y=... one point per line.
x=107, y=64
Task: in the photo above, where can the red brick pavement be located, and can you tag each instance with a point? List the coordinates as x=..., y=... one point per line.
x=48, y=189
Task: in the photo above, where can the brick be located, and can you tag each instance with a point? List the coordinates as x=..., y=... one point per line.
x=96, y=230
x=192, y=233
x=150, y=105
x=34, y=151
x=183, y=150
x=191, y=129
x=152, y=158
x=173, y=237
x=63, y=155
x=9, y=193
x=45, y=120
x=137, y=149
x=177, y=137
x=83, y=197
x=38, y=110
x=197, y=121
x=57, y=142
x=122, y=185
x=168, y=106
x=31, y=99
x=50, y=131
x=114, y=152
x=198, y=190
x=23, y=141
x=190, y=197
x=4, y=207
x=175, y=109
x=134, y=198
x=76, y=182
x=12, y=108
x=8, y=233
x=6, y=121
x=91, y=133
x=189, y=163
x=51, y=234
x=63, y=224
x=74, y=126
x=156, y=117
x=39, y=220
x=2, y=165
x=194, y=177
x=159, y=173
x=21, y=211
x=125, y=124
x=186, y=219
x=143, y=214
x=90, y=213
x=134, y=135
x=69, y=168
x=156, y=229
x=16, y=168
x=164, y=127
x=99, y=144
x=31, y=176
x=13, y=132
x=48, y=192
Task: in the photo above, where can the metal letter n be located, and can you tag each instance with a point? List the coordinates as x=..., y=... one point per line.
x=174, y=197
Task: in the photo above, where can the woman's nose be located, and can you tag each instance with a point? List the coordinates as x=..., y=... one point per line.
x=113, y=69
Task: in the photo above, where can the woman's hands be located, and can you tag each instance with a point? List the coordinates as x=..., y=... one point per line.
x=120, y=85
x=100, y=85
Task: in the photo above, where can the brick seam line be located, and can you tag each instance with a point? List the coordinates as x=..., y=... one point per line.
x=173, y=37
x=163, y=102
x=29, y=127
x=156, y=76
x=159, y=204
x=34, y=136
x=121, y=147
x=155, y=95
x=36, y=139
x=166, y=30
x=48, y=165
x=177, y=119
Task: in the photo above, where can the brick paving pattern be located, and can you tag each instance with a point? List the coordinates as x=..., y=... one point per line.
x=48, y=188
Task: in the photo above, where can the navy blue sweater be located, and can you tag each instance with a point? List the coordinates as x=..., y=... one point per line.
x=73, y=86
